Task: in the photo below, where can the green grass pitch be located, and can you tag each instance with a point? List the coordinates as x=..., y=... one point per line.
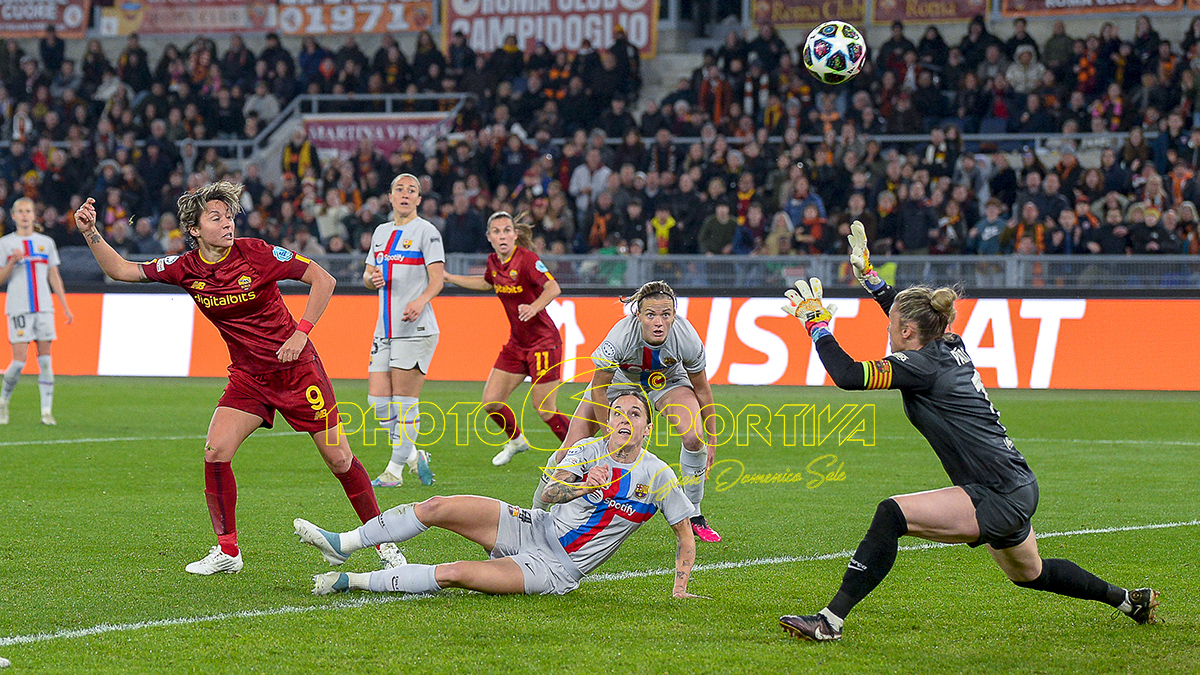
x=101, y=513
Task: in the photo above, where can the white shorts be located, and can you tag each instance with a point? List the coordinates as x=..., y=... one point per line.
x=527, y=536
x=402, y=353
x=31, y=327
x=655, y=391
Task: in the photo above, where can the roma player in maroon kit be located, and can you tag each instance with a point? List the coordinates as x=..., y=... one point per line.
x=534, y=347
x=274, y=366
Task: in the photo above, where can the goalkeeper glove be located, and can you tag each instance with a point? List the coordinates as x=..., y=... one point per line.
x=805, y=303
x=860, y=259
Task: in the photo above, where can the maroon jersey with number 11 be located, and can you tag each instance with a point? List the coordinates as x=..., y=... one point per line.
x=519, y=281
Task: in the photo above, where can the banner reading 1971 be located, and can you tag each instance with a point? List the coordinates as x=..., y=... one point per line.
x=561, y=24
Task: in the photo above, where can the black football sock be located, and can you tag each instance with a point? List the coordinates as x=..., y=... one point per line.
x=873, y=559
x=1066, y=578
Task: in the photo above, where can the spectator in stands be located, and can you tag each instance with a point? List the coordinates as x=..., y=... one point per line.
x=890, y=54
x=1026, y=72
x=1019, y=38
x=975, y=43
x=588, y=180
x=716, y=232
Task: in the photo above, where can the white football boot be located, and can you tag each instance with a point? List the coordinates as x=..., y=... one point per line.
x=511, y=449
x=216, y=561
x=390, y=556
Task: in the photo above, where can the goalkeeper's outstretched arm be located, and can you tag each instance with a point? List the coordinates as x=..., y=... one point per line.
x=860, y=260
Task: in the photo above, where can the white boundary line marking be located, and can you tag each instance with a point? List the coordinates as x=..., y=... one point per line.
x=798, y=446
x=131, y=439
x=365, y=601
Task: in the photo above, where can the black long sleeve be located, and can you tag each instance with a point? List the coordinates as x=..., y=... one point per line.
x=885, y=297
x=845, y=371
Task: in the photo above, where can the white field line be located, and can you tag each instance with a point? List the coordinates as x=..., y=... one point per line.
x=749, y=436
x=736, y=564
x=363, y=601
x=129, y=439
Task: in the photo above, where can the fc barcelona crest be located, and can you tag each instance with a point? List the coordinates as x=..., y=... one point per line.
x=641, y=491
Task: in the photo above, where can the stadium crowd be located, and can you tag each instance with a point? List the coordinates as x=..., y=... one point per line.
x=775, y=163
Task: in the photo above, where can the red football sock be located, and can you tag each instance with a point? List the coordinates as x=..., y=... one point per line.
x=558, y=424
x=220, y=491
x=357, y=485
x=507, y=422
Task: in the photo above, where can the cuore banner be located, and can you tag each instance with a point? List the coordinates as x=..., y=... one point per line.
x=1028, y=343
x=1072, y=7
x=561, y=24
x=29, y=18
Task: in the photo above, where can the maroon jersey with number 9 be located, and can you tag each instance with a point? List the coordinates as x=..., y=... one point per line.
x=240, y=295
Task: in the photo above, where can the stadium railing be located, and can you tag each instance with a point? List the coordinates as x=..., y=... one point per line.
x=245, y=149
x=1157, y=275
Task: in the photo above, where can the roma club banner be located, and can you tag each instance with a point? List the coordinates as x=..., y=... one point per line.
x=915, y=11
x=342, y=133
x=29, y=18
x=190, y=17
x=1066, y=8
x=561, y=24
x=807, y=13
x=327, y=17
x=1018, y=343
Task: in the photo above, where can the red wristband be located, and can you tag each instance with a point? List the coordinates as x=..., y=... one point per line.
x=304, y=326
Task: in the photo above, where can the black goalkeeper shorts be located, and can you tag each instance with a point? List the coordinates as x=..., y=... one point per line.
x=1003, y=517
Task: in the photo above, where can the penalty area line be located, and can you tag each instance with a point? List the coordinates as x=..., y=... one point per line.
x=129, y=439
x=362, y=601
x=779, y=560
x=370, y=600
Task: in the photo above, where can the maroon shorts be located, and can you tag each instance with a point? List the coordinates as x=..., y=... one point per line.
x=542, y=363
x=302, y=394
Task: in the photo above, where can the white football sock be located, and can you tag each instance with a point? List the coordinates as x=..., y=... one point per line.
x=406, y=431
x=537, y=493
x=381, y=408
x=397, y=524
x=405, y=579
x=692, y=466
x=46, y=382
x=12, y=375
x=834, y=620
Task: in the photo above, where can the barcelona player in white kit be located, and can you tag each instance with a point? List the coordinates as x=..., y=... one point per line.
x=407, y=265
x=661, y=354
x=605, y=490
x=31, y=270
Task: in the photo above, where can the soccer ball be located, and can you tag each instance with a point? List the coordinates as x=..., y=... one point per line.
x=834, y=52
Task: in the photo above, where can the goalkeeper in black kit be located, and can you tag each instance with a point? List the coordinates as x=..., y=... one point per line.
x=994, y=493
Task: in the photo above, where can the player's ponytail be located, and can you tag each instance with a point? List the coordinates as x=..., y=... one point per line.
x=650, y=289
x=931, y=311
x=520, y=224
